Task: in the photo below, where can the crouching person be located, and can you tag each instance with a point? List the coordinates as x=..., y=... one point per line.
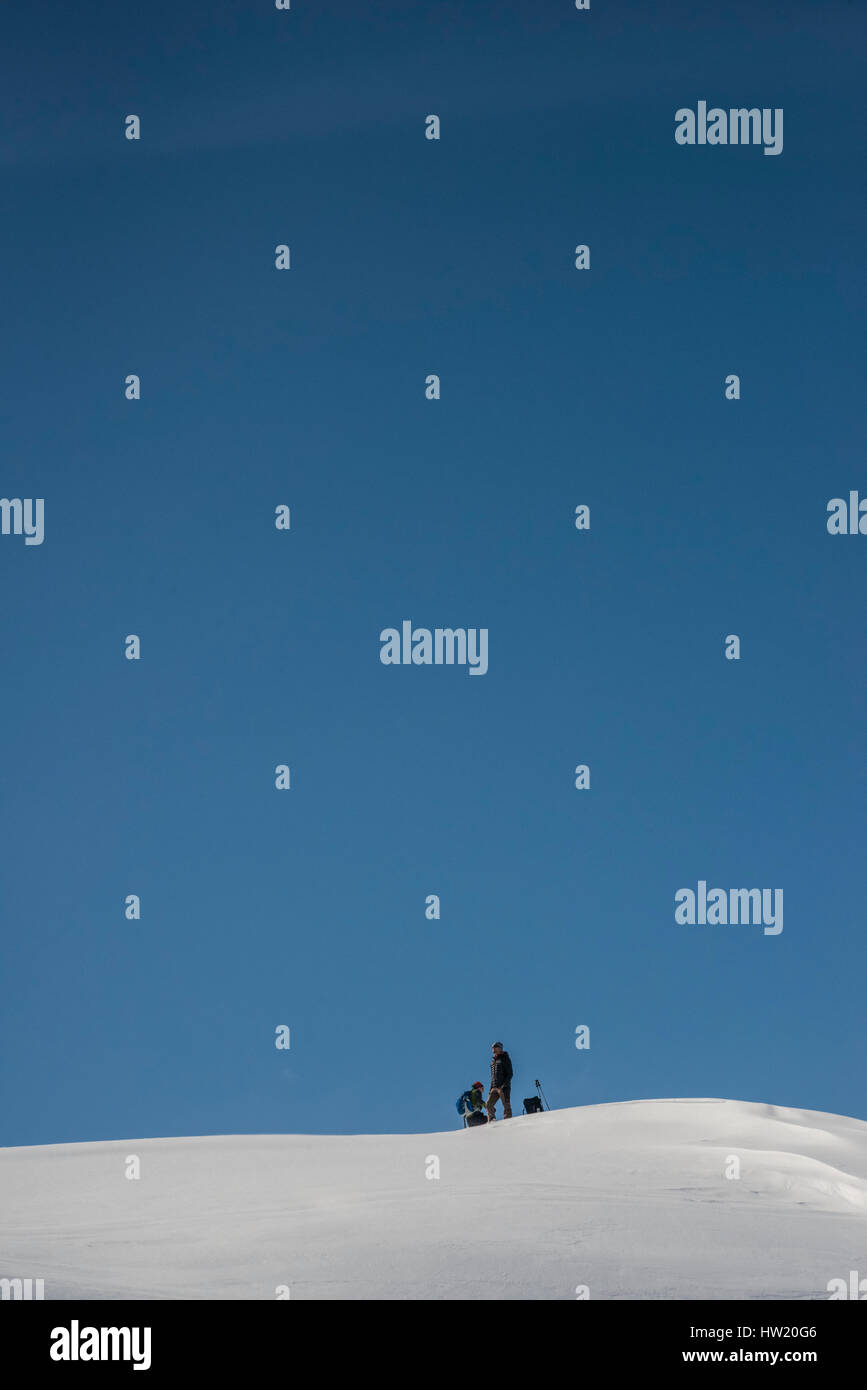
x=472, y=1106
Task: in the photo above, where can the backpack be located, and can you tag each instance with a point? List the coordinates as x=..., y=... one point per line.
x=468, y=1105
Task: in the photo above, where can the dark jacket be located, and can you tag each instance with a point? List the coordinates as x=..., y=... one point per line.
x=501, y=1070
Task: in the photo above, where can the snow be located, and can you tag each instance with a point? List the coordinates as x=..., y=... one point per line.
x=631, y=1200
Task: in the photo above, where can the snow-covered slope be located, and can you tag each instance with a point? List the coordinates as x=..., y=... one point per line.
x=631, y=1200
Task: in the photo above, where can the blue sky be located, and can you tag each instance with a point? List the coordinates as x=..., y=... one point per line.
x=259, y=647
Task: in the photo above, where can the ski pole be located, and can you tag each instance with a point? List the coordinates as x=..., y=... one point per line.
x=542, y=1093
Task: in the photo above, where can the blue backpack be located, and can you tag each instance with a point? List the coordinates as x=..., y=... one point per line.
x=465, y=1105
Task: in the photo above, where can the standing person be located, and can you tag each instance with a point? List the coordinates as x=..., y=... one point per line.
x=501, y=1081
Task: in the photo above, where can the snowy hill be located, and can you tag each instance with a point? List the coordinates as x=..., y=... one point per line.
x=631, y=1200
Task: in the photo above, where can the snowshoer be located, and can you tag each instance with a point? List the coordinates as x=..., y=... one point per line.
x=501, y=1081
x=472, y=1106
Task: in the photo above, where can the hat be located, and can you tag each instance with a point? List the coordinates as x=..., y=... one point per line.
x=477, y=1086
x=496, y=1044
